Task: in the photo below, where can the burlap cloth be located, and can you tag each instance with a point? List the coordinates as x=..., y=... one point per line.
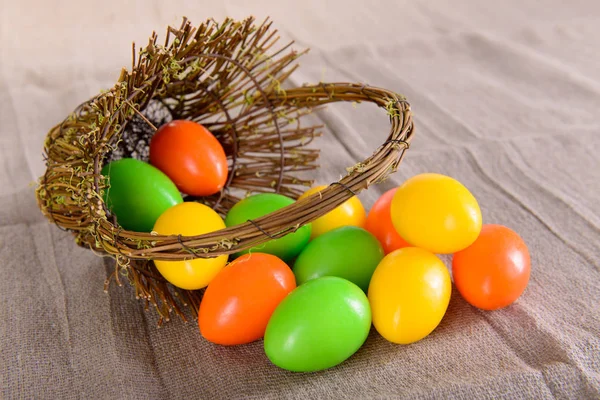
x=507, y=100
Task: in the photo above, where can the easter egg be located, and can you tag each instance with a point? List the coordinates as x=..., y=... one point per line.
x=409, y=294
x=379, y=223
x=190, y=219
x=191, y=156
x=138, y=193
x=239, y=301
x=351, y=212
x=436, y=213
x=494, y=271
x=348, y=252
x=258, y=205
x=318, y=326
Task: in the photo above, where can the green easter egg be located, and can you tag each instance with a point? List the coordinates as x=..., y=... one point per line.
x=348, y=252
x=318, y=325
x=138, y=193
x=252, y=207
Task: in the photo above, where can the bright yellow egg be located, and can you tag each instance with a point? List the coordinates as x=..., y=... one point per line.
x=436, y=213
x=351, y=212
x=409, y=294
x=190, y=219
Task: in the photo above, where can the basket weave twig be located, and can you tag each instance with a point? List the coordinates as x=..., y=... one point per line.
x=227, y=77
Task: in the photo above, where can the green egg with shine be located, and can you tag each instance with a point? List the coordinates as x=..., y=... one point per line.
x=318, y=325
x=258, y=205
x=348, y=252
x=138, y=193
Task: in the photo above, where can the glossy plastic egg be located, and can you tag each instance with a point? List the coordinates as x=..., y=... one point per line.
x=190, y=219
x=138, y=193
x=436, y=213
x=239, y=301
x=318, y=326
x=191, y=156
x=409, y=294
x=348, y=252
x=379, y=223
x=494, y=271
x=258, y=205
x=349, y=213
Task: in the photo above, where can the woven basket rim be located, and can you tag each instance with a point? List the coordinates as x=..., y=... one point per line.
x=114, y=240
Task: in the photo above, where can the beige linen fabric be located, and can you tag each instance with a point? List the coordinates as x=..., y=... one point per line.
x=507, y=99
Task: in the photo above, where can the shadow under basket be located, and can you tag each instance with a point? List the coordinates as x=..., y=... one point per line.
x=227, y=77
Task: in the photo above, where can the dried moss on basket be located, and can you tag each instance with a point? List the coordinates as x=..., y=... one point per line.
x=228, y=77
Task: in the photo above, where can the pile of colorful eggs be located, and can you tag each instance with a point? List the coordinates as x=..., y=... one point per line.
x=314, y=294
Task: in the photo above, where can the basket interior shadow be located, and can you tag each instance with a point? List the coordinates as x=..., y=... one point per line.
x=227, y=77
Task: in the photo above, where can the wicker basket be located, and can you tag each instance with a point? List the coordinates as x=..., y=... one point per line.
x=227, y=77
